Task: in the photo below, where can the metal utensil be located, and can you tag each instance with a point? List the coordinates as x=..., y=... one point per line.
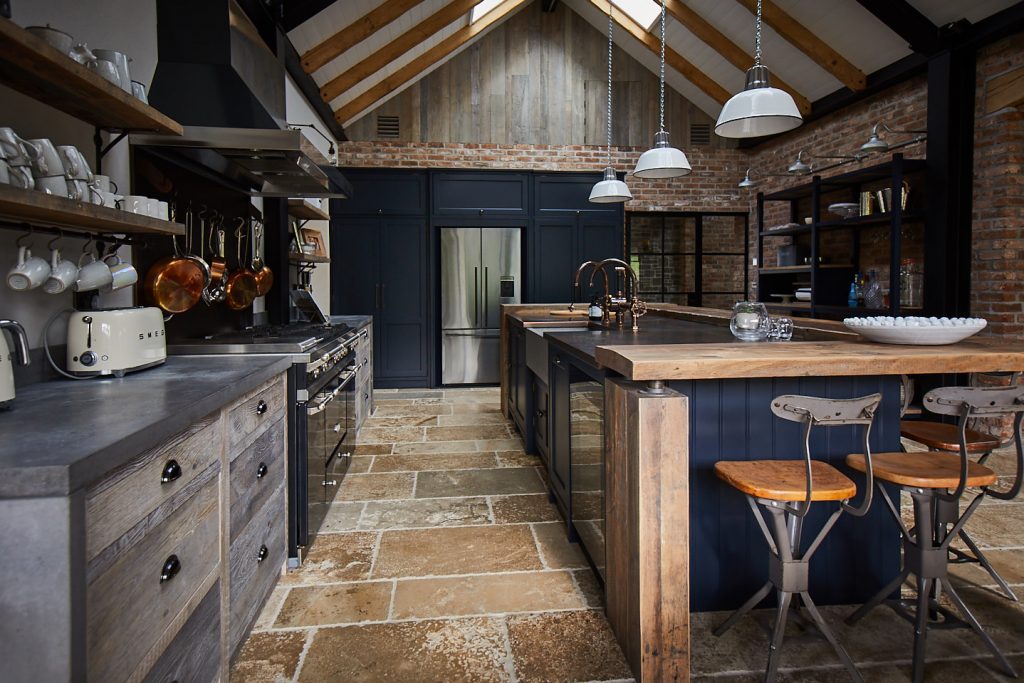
x=240, y=289
x=264, y=275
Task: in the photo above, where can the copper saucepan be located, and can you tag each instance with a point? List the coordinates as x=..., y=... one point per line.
x=240, y=290
x=174, y=283
x=264, y=275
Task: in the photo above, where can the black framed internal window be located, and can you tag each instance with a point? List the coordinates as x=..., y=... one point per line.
x=690, y=258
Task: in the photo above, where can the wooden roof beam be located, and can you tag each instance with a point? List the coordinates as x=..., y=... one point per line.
x=411, y=71
x=732, y=52
x=672, y=58
x=396, y=48
x=811, y=45
x=356, y=32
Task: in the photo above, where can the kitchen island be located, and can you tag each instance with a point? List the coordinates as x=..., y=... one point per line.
x=674, y=398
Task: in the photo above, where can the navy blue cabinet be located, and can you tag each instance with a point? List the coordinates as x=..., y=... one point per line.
x=480, y=193
x=383, y=192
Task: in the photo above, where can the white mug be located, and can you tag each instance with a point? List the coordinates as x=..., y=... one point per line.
x=55, y=185
x=15, y=148
x=110, y=199
x=63, y=274
x=47, y=161
x=121, y=274
x=139, y=92
x=92, y=275
x=5, y=175
x=21, y=176
x=29, y=272
x=152, y=207
x=120, y=61
x=75, y=165
x=104, y=183
x=105, y=70
x=164, y=213
x=135, y=204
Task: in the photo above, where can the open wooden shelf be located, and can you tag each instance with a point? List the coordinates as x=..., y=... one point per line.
x=872, y=220
x=38, y=208
x=30, y=65
x=308, y=258
x=300, y=208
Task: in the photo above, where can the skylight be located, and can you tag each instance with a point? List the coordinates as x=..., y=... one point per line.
x=482, y=8
x=643, y=12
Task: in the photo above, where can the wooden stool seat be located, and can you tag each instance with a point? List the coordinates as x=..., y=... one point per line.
x=946, y=437
x=785, y=479
x=923, y=470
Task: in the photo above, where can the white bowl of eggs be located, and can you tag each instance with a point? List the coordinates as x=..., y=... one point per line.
x=915, y=330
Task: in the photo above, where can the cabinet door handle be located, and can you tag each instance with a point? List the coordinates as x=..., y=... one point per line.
x=261, y=471
x=262, y=554
x=261, y=407
x=172, y=471
x=366, y=396
x=172, y=565
x=363, y=333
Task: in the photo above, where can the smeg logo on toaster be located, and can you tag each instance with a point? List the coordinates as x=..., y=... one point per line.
x=151, y=335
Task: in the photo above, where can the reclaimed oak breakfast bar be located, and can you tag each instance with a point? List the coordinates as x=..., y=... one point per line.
x=630, y=425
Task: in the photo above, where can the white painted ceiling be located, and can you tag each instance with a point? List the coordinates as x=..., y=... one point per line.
x=843, y=24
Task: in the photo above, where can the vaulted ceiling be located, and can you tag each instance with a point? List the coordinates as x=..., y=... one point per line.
x=361, y=53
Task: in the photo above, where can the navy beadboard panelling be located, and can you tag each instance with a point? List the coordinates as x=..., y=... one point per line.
x=732, y=420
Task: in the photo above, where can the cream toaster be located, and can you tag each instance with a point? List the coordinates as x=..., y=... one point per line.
x=115, y=341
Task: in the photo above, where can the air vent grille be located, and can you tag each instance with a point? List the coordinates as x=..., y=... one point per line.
x=700, y=134
x=387, y=126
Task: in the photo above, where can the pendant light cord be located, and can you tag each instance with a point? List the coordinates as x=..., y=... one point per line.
x=661, y=94
x=757, y=36
x=609, y=121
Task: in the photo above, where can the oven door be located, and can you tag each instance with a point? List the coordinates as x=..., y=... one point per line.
x=340, y=427
x=319, y=493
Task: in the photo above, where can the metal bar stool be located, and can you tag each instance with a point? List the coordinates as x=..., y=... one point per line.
x=941, y=436
x=928, y=477
x=786, y=489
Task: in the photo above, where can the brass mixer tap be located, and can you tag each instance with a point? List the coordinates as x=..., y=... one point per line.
x=620, y=302
x=576, y=281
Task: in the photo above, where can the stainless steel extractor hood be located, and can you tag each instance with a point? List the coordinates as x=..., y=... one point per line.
x=269, y=162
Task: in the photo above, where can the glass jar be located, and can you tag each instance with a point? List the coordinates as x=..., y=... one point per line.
x=749, y=321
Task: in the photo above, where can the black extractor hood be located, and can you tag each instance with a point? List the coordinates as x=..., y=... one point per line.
x=219, y=79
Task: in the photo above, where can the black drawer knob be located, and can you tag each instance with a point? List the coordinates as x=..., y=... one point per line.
x=261, y=471
x=172, y=565
x=261, y=407
x=171, y=471
x=262, y=554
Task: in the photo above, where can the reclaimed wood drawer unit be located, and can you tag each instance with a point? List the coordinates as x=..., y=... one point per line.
x=364, y=375
x=184, y=543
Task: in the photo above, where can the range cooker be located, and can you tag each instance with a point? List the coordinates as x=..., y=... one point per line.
x=321, y=411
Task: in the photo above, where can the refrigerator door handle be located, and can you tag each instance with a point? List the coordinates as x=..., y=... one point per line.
x=487, y=312
x=474, y=333
x=476, y=296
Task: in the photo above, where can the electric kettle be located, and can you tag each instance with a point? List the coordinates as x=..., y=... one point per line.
x=7, y=358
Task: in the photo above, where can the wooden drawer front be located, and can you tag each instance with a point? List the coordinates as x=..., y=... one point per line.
x=194, y=654
x=129, y=608
x=364, y=394
x=254, y=413
x=117, y=504
x=255, y=475
x=252, y=579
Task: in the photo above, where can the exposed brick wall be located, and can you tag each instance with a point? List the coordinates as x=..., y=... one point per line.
x=711, y=186
x=997, y=263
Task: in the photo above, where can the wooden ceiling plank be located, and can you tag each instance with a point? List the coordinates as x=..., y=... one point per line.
x=672, y=58
x=396, y=48
x=356, y=32
x=411, y=71
x=732, y=52
x=797, y=35
x=905, y=21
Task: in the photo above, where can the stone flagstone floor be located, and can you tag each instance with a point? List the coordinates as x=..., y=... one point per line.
x=442, y=560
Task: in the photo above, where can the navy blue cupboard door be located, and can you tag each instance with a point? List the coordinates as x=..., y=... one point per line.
x=561, y=192
x=402, y=316
x=354, y=266
x=490, y=194
x=384, y=193
x=553, y=254
x=599, y=237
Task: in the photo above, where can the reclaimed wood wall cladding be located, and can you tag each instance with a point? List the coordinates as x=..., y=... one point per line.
x=647, y=522
x=539, y=78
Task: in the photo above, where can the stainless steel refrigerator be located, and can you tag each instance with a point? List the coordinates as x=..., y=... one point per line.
x=480, y=270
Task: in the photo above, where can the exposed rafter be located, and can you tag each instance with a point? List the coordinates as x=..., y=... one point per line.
x=411, y=71
x=672, y=58
x=396, y=48
x=356, y=32
x=905, y=21
x=732, y=52
x=811, y=45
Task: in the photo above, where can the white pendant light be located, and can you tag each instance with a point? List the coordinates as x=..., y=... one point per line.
x=759, y=109
x=610, y=190
x=747, y=182
x=663, y=160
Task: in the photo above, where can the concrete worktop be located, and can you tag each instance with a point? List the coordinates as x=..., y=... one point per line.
x=62, y=436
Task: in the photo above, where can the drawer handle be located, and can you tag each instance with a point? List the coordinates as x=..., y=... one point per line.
x=261, y=407
x=172, y=565
x=337, y=428
x=261, y=471
x=262, y=554
x=366, y=396
x=363, y=334
x=172, y=471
